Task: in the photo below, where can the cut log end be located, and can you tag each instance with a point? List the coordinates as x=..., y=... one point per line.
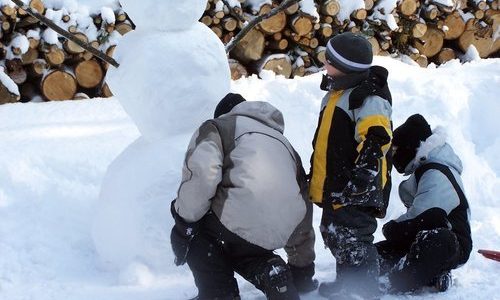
x=89, y=74
x=59, y=85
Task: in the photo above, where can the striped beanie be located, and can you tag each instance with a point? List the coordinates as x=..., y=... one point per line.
x=349, y=53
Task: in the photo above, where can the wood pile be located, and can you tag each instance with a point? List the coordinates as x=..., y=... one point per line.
x=45, y=66
x=292, y=43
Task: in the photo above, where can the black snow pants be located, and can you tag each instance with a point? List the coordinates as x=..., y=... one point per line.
x=433, y=253
x=216, y=253
x=348, y=233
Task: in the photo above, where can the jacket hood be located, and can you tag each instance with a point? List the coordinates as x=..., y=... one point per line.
x=435, y=149
x=261, y=111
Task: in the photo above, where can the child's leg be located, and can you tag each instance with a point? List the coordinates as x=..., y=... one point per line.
x=348, y=233
x=389, y=255
x=212, y=272
x=432, y=253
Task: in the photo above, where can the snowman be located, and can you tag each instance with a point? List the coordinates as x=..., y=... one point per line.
x=173, y=71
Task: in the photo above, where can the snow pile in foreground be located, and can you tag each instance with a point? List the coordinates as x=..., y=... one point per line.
x=53, y=157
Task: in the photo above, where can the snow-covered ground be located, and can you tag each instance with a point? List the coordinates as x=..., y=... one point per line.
x=53, y=157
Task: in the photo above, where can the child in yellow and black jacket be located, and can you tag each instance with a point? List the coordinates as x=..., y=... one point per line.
x=351, y=163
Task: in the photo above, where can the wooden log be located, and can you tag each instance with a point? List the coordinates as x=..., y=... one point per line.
x=237, y=70
x=16, y=71
x=455, y=26
x=422, y=61
x=326, y=31
x=124, y=28
x=359, y=14
x=217, y=30
x=408, y=7
x=431, y=43
x=274, y=24
x=330, y=8
x=418, y=29
x=277, y=45
x=293, y=9
x=251, y=47
x=207, y=20
x=481, y=37
x=30, y=56
x=9, y=11
x=481, y=5
x=88, y=56
x=37, y=5
x=320, y=54
x=226, y=38
x=479, y=14
x=109, y=52
x=375, y=45
x=280, y=64
x=106, y=91
x=229, y=23
x=6, y=95
x=369, y=4
x=89, y=73
x=71, y=47
x=55, y=56
x=58, y=85
x=38, y=68
x=301, y=25
x=446, y=54
x=430, y=12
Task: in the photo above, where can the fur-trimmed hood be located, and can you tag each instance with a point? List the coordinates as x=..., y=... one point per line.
x=435, y=149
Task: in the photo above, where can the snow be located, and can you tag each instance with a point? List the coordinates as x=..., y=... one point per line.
x=471, y=54
x=309, y=7
x=170, y=15
x=11, y=87
x=181, y=75
x=347, y=7
x=108, y=15
x=383, y=11
x=20, y=41
x=93, y=6
x=54, y=157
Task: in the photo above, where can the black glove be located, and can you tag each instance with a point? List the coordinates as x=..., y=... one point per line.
x=361, y=183
x=181, y=236
x=303, y=278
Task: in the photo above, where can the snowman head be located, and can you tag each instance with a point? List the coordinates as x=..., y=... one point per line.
x=164, y=15
x=169, y=83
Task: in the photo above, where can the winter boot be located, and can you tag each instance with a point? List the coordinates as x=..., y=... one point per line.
x=443, y=282
x=329, y=288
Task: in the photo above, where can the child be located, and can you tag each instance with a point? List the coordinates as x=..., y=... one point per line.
x=433, y=236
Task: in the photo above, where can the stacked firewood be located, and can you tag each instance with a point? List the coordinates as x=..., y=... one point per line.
x=47, y=67
x=292, y=43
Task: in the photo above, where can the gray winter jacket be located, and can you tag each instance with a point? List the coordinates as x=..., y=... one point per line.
x=257, y=188
x=434, y=189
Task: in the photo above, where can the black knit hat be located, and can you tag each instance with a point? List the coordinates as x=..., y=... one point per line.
x=412, y=132
x=227, y=103
x=349, y=53
x=407, y=138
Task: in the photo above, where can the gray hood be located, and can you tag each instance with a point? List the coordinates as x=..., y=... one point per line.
x=435, y=149
x=263, y=112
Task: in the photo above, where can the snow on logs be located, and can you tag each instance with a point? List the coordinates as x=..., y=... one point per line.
x=41, y=64
x=292, y=43
x=425, y=30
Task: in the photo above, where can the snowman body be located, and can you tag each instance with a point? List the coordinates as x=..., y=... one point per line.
x=173, y=71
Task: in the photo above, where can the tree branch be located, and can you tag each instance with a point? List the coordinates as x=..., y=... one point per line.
x=67, y=35
x=233, y=13
x=284, y=5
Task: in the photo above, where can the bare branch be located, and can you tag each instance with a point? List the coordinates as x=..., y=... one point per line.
x=66, y=34
x=284, y=5
x=233, y=13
